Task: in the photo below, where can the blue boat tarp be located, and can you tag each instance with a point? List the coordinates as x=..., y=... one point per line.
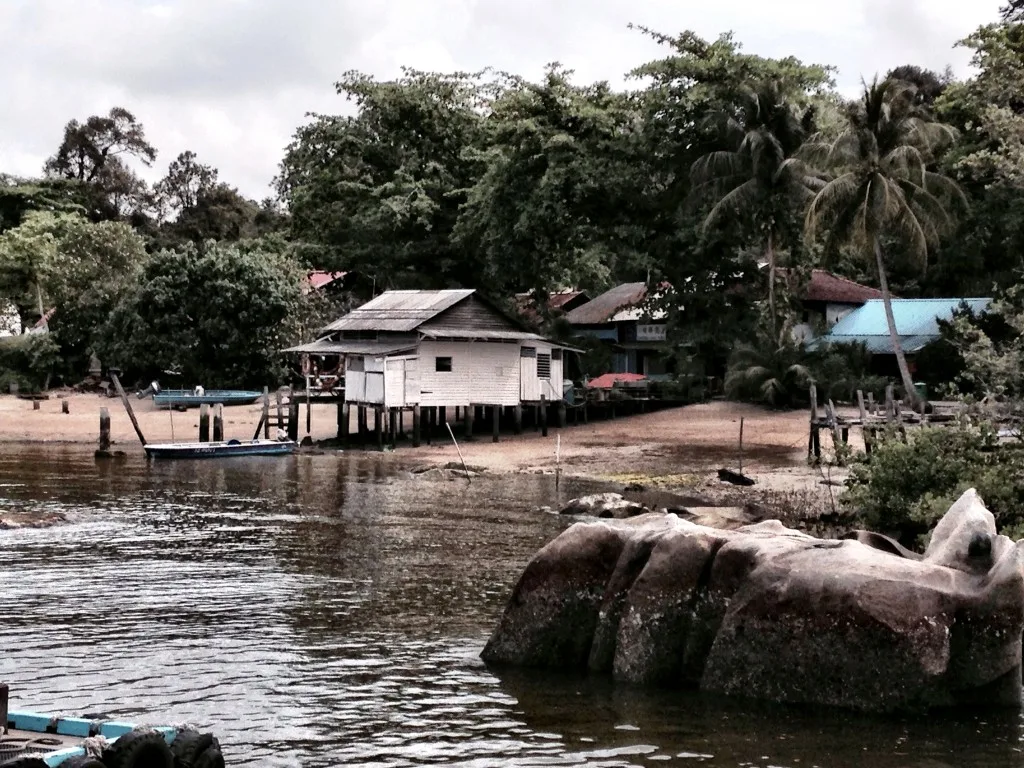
x=188, y=398
x=917, y=322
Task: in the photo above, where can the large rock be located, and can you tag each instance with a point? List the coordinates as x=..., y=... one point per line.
x=773, y=613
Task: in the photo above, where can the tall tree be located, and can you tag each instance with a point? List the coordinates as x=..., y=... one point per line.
x=379, y=192
x=543, y=214
x=884, y=188
x=760, y=177
x=185, y=181
x=94, y=153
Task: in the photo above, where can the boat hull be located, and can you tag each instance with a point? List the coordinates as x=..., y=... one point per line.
x=222, y=449
x=185, y=398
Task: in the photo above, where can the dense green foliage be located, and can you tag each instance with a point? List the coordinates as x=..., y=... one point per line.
x=213, y=315
x=713, y=168
x=908, y=485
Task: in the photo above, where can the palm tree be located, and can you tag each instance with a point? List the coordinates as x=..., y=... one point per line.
x=883, y=188
x=762, y=178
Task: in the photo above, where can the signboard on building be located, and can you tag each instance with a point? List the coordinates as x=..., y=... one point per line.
x=651, y=332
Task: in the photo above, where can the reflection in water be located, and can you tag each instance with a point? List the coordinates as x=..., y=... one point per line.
x=323, y=611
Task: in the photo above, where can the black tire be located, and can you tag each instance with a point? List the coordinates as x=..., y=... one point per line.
x=83, y=761
x=25, y=762
x=139, y=749
x=188, y=746
x=211, y=757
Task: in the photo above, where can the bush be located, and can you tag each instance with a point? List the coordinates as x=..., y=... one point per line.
x=28, y=361
x=905, y=487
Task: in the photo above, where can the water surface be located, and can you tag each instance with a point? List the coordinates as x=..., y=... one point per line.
x=323, y=611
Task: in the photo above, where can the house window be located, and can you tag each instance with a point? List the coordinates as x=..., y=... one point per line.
x=556, y=354
x=356, y=364
x=543, y=366
x=528, y=352
x=443, y=364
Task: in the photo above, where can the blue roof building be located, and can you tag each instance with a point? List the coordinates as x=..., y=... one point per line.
x=917, y=322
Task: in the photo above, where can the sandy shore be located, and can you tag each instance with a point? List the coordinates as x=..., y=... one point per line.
x=677, y=448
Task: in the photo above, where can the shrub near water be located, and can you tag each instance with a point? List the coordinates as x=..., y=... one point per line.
x=906, y=487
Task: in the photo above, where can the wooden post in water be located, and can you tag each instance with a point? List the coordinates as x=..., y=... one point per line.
x=561, y=414
x=104, y=449
x=518, y=415
x=361, y=428
x=65, y=406
x=378, y=426
x=495, y=422
x=741, y=445
x=813, y=444
x=204, y=423
x=127, y=406
x=35, y=405
x=393, y=426
x=280, y=409
x=344, y=417
x=544, y=415
x=218, y=422
x=293, y=418
x=467, y=412
x=309, y=411
x=416, y=426
x=865, y=428
x=266, y=413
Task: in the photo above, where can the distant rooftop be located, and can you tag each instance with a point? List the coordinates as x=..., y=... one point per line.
x=917, y=322
x=828, y=288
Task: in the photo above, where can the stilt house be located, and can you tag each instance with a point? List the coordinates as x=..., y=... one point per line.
x=440, y=348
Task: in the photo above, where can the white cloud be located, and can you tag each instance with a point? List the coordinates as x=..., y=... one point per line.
x=232, y=79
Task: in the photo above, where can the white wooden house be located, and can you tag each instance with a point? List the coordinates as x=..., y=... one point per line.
x=437, y=349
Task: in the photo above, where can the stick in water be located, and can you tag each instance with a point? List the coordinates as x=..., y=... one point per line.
x=558, y=459
x=468, y=478
x=741, y=445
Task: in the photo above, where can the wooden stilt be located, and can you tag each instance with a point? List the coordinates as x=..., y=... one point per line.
x=415, y=426
x=266, y=413
x=361, y=428
x=518, y=416
x=293, y=418
x=393, y=415
x=104, y=449
x=431, y=416
x=467, y=412
x=204, y=423
x=813, y=448
x=561, y=414
x=344, y=416
x=543, y=415
x=280, y=409
x=495, y=422
x=218, y=422
x=378, y=426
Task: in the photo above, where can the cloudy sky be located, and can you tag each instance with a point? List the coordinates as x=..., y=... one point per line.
x=232, y=79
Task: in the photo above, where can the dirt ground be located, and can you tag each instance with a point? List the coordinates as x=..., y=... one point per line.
x=673, y=448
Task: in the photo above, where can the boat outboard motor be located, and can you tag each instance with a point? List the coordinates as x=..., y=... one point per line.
x=152, y=389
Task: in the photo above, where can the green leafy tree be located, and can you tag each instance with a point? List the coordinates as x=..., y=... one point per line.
x=543, y=214
x=760, y=178
x=883, y=188
x=380, y=192
x=77, y=268
x=219, y=316
x=94, y=153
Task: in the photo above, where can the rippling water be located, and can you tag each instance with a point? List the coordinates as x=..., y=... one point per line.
x=322, y=611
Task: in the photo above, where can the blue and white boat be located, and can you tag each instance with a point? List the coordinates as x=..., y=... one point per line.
x=189, y=398
x=33, y=740
x=220, y=449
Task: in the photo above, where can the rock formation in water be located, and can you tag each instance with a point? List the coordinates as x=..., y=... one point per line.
x=769, y=612
x=604, y=505
x=10, y=519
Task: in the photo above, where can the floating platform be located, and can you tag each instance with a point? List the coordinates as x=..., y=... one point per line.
x=33, y=740
x=220, y=449
x=187, y=398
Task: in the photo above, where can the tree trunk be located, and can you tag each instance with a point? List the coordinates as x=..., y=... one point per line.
x=770, y=253
x=897, y=348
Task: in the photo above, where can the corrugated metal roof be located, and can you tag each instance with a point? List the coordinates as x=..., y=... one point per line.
x=602, y=308
x=328, y=347
x=398, y=310
x=917, y=322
